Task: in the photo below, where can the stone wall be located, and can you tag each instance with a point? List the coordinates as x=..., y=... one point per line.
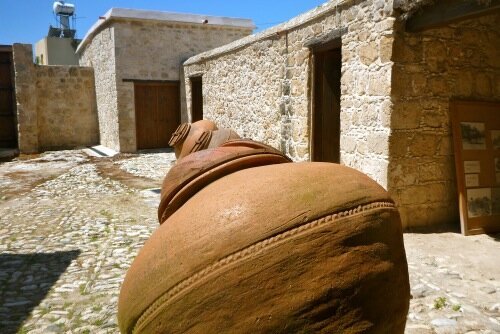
x=260, y=85
x=56, y=105
x=159, y=56
x=66, y=107
x=459, y=61
x=27, y=117
x=100, y=55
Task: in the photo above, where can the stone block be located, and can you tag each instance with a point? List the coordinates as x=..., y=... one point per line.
x=418, y=85
x=385, y=48
x=402, y=173
x=434, y=49
x=464, y=83
x=405, y=51
x=414, y=194
x=379, y=83
x=482, y=84
x=348, y=144
x=438, y=86
x=445, y=145
x=435, y=118
x=368, y=53
x=378, y=144
x=430, y=171
x=424, y=144
x=385, y=114
x=399, y=144
x=385, y=25
x=406, y=115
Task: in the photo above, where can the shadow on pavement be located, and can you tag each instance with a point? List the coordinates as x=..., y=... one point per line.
x=494, y=236
x=446, y=228
x=25, y=279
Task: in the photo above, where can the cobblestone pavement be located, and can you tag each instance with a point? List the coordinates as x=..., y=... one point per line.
x=70, y=225
x=455, y=283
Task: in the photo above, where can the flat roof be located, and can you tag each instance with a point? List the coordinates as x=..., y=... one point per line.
x=127, y=14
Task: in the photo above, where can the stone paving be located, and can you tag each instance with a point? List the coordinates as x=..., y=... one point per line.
x=71, y=224
x=67, y=242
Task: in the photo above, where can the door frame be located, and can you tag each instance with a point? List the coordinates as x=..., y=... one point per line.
x=8, y=49
x=333, y=44
x=166, y=83
x=196, y=80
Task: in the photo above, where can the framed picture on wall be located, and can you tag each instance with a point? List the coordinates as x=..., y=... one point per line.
x=476, y=142
x=473, y=137
x=495, y=139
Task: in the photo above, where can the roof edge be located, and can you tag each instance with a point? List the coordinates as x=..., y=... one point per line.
x=295, y=22
x=126, y=14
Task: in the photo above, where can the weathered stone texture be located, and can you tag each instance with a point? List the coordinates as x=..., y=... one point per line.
x=66, y=107
x=55, y=104
x=459, y=61
x=27, y=118
x=142, y=50
x=261, y=85
x=244, y=95
x=100, y=54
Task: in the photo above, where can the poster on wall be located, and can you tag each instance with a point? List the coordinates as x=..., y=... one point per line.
x=471, y=180
x=479, y=202
x=476, y=142
x=495, y=201
x=472, y=136
x=497, y=169
x=472, y=167
x=495, y=139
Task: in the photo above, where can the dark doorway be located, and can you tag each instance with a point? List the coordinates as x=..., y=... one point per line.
x=157, y=113
x=196, y=99
x=326, y=105
x=8, y=133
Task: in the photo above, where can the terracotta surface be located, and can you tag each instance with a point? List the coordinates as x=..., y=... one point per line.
x=283, y=248
x=221, y=136
x=198, y=169
x=189, y=138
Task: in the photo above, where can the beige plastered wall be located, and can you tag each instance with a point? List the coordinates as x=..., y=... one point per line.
x=56, y=51
x=261, y=85
x=56, y=106
x=458, y=61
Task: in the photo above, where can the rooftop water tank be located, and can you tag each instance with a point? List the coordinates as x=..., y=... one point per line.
x=62, y=8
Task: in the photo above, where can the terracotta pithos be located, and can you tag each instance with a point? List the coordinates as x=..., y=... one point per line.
x=251, y=243
x=189, y=138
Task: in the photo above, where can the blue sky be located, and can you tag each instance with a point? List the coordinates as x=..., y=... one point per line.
x=27, y=21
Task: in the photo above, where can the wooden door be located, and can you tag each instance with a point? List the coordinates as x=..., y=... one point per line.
x=8, y=133
x=196, y=99
x=157, y=113
x=326, y=106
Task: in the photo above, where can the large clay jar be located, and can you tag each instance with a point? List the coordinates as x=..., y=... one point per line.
x=200, y=135
x=188, y=138
x=277, y=248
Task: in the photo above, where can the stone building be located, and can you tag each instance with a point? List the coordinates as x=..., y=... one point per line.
x=365, y=83
x=137, y=56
